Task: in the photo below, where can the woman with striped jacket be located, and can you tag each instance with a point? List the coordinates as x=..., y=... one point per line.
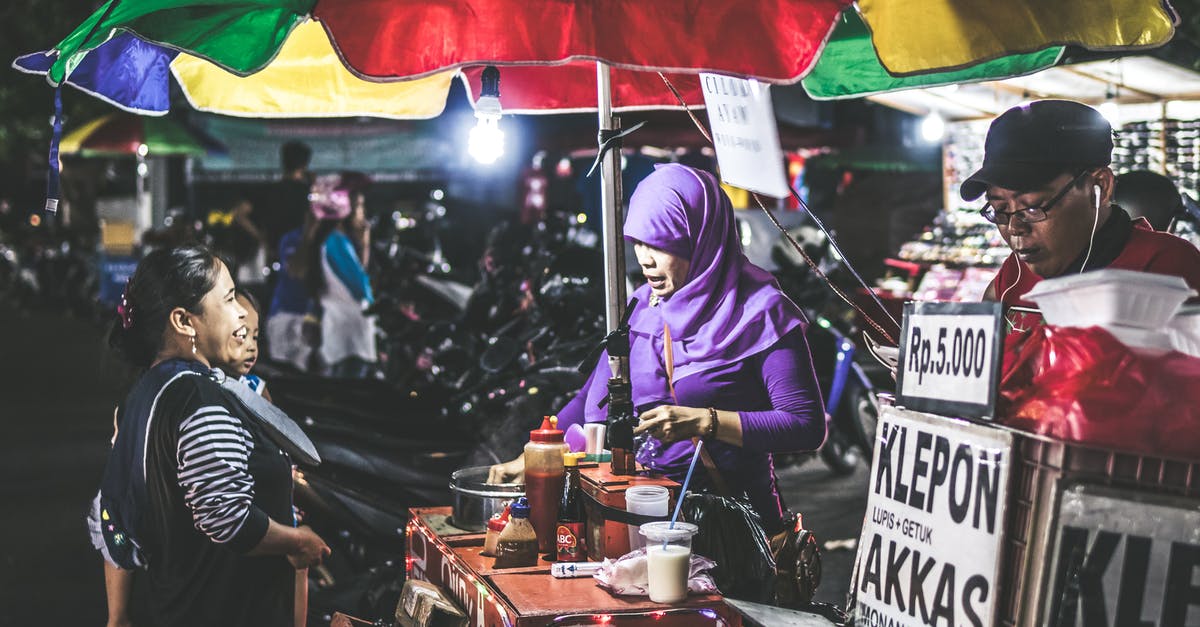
x=196, y=489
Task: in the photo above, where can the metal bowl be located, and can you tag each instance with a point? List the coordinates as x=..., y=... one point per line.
x=475, y=500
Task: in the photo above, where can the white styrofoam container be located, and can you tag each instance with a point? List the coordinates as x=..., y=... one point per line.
x=1140, y=300
x=1185, y=330
x=1141, y=338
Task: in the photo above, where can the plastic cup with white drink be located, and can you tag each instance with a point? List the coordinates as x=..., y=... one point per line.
x=668, y=559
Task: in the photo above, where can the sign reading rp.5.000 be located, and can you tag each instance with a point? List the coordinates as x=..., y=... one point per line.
x=950, y=358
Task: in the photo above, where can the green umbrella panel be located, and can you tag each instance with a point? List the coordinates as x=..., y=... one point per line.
x=849, y=67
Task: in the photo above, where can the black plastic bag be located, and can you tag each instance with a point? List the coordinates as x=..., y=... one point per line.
x=731, y=534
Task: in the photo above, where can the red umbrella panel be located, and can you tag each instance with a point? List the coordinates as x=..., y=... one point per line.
x=571, y=88
x=774, y=40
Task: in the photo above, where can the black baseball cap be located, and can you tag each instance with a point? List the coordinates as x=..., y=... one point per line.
x=1030, y=144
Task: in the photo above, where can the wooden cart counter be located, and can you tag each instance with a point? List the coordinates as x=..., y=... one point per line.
x=531, y=597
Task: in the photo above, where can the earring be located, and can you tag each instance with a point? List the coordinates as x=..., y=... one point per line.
x=193, y=343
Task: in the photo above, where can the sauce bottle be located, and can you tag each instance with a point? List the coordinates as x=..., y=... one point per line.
x=570, y=537
x=494, y=526
x=517, y=546
x=544, y=478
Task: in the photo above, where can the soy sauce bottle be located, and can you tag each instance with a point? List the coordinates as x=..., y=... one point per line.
x=570, y=535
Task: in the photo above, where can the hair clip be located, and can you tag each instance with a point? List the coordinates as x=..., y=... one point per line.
x=125, y=310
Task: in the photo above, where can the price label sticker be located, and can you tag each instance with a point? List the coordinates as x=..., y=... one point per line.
x=950, y=358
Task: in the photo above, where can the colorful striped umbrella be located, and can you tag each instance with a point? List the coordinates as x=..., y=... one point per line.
x=305, y=79
x=119, y=134
x=286, y=66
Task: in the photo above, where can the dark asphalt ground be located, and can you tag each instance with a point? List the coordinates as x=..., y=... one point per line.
x=58, y=386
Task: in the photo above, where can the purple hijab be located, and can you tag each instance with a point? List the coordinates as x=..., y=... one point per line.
x=727, y=310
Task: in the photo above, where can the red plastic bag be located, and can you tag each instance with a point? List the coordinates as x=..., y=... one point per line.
x=1083, y=385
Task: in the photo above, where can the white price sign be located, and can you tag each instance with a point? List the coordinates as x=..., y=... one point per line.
x=950, y=358
x=744, y=133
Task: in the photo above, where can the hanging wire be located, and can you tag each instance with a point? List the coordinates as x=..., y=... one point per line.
x=800, y=249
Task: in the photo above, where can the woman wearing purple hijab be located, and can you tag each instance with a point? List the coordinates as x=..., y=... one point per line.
x=717, y=351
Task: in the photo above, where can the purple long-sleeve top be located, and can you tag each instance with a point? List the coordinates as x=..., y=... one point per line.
x=776, y=394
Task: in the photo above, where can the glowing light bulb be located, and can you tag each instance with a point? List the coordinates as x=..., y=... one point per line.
x=486, y=143
x=1111, y=112
x=933, y=128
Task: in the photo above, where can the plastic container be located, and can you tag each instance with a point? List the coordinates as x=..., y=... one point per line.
x=1185, y=330
x=1125, y=298
x=650, y=500
x=668, y=559
x=1140, y=338
x=544, y=479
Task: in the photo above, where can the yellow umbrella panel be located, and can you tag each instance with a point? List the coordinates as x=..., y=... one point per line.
x=919, y=36
x=307, y=79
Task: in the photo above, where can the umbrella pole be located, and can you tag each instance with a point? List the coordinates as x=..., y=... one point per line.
x=620, y=404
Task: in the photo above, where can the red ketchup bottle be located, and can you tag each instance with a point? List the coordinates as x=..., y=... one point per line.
x=544, y=478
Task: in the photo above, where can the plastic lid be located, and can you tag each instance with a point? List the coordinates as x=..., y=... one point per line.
x=1123, y=278
x=647, y=493
x=663, y=531
x=571, y=460
x=495, y=523
x=549, y=431
x=519, y=508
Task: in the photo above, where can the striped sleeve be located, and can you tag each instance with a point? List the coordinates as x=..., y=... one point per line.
x=212, y=460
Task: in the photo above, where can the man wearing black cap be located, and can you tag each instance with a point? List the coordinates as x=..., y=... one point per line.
x=1048, y=188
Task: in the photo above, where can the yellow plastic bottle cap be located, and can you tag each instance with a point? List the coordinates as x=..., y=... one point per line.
x=573, y=459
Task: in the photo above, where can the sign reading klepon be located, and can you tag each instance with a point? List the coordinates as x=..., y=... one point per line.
x=1124, y=559
x=745, y=134
x=930, y=545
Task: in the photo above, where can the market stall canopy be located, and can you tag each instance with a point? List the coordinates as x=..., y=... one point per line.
x=345, y=61
x=120, y=134
x=381, y=148
x=1142, y=84
x=368, y=46
x=888, y=158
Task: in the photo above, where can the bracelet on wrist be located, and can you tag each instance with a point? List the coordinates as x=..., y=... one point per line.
x=712, y=424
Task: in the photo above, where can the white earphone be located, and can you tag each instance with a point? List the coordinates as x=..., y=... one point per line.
x=1092, y=238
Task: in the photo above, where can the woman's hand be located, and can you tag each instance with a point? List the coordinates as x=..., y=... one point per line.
x=308, y=549
x=671, y=423
x=508, y=472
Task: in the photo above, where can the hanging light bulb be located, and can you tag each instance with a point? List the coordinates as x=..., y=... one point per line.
x=1109, y=108
x=486, y=142
x=933, y=128
x=1111, y=112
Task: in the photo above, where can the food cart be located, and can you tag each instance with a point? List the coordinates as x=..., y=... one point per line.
x=977, y=523
x=448, y=557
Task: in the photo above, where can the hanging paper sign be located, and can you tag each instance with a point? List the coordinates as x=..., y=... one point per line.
x=1123, y=558
x=929, y=553
x=950, y=358
x=745, y=134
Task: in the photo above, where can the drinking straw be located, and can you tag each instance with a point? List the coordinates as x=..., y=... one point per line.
x=686, y=481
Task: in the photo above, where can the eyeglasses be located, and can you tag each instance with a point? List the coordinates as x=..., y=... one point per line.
x=1028, y=215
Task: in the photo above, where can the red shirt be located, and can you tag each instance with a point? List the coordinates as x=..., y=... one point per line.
x=1147, y=251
